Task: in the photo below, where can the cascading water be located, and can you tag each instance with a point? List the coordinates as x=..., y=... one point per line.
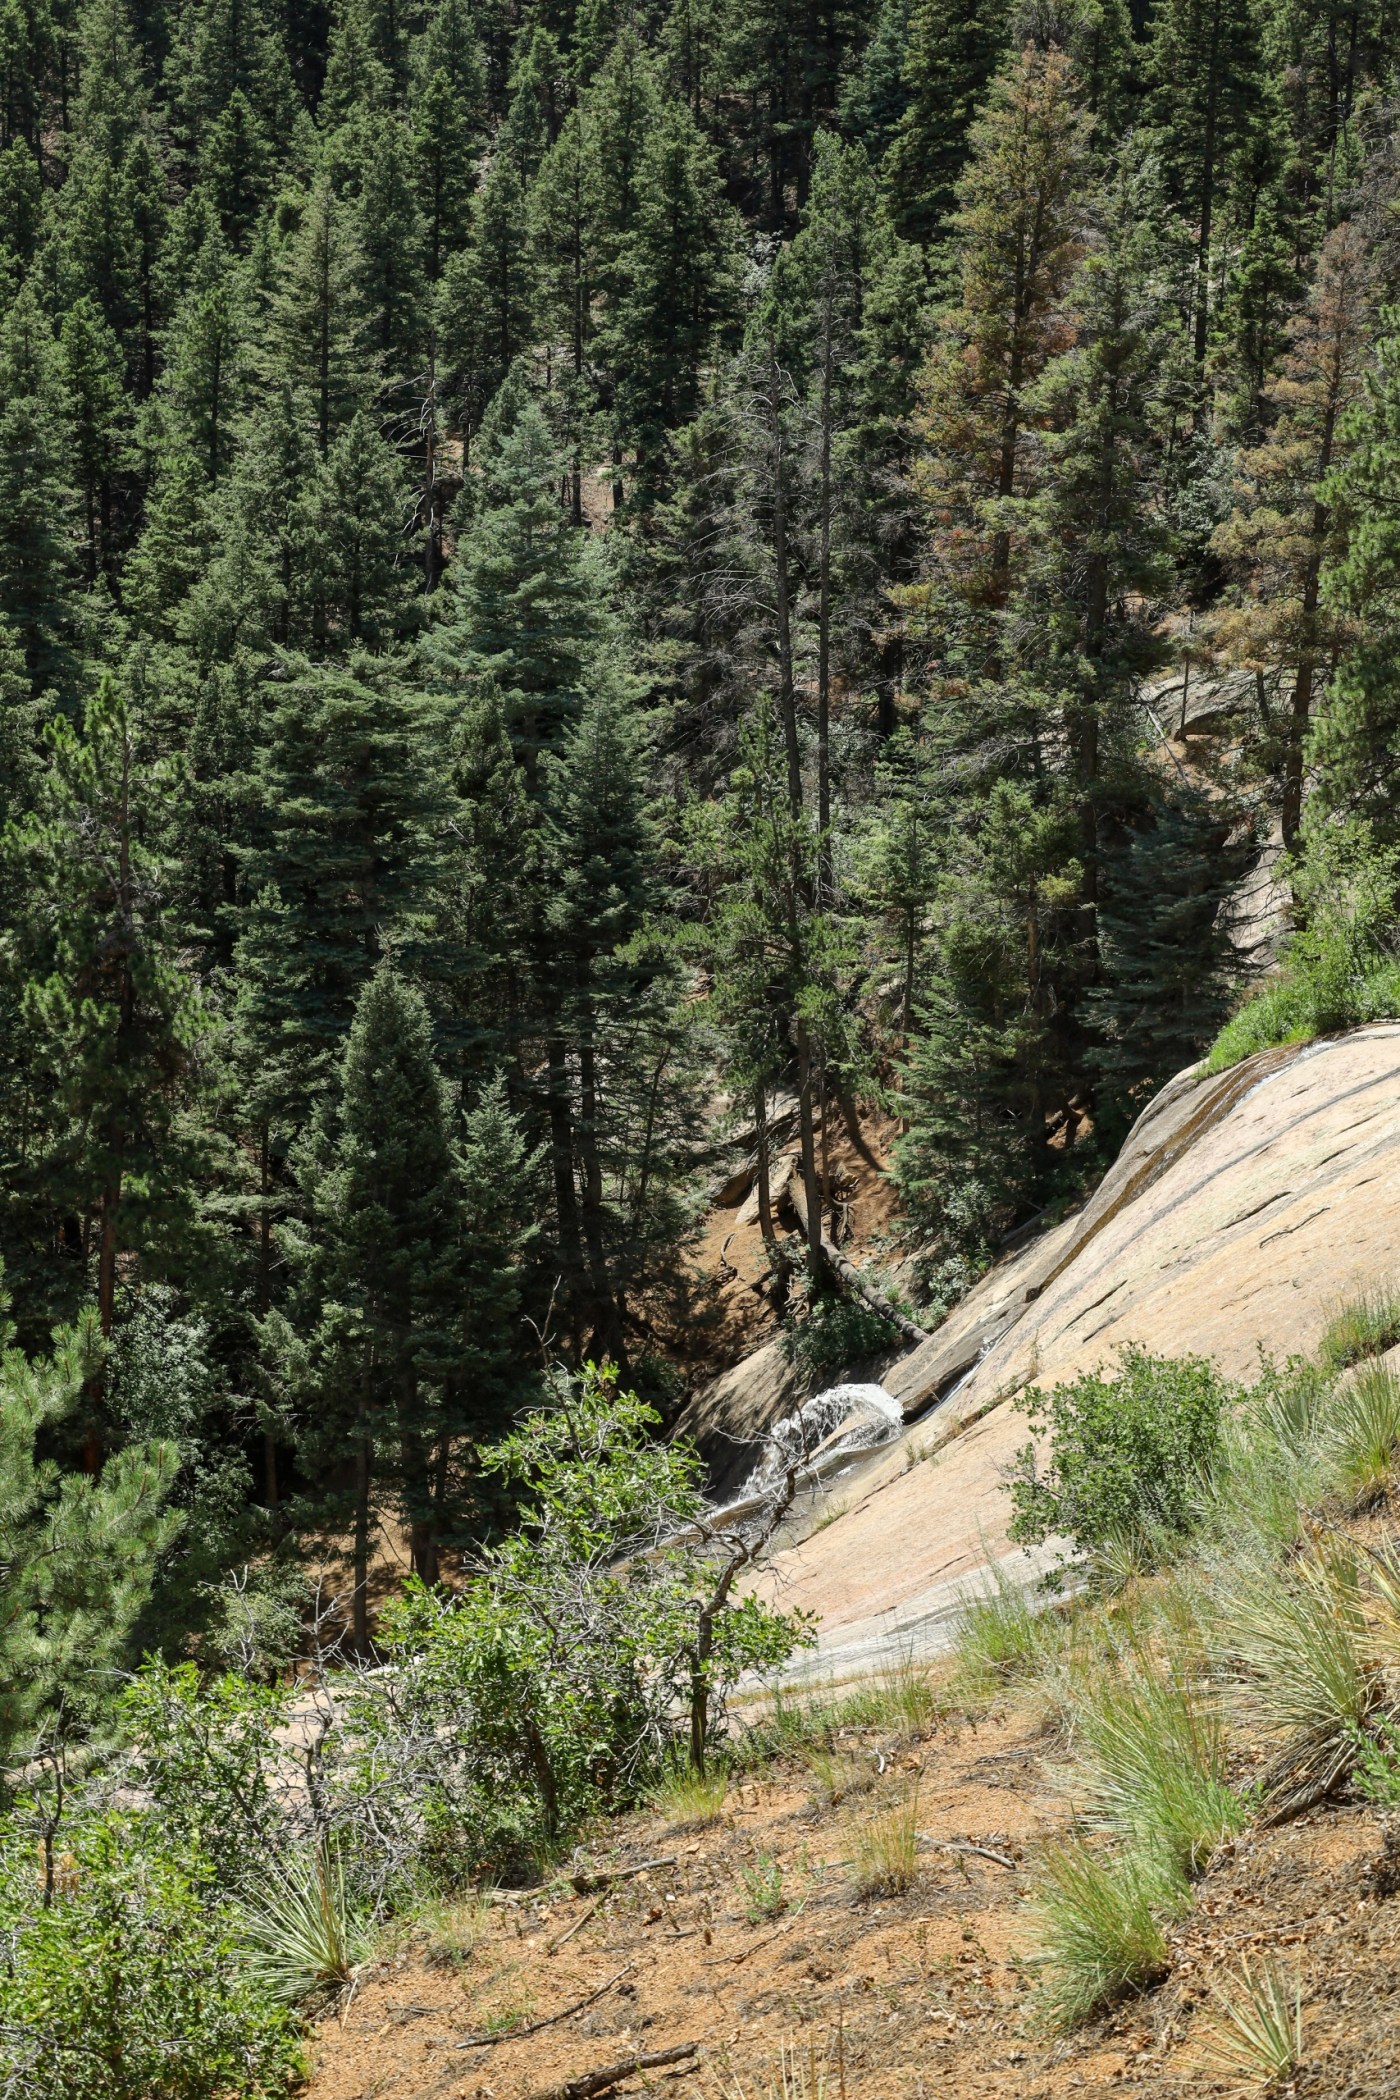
x=835, y=1424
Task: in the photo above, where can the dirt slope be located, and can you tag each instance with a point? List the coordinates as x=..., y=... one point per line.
x=1243, y=1207
x=923, y=1994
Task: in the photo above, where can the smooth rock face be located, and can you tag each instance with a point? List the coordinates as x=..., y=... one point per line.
x=1242, y=1209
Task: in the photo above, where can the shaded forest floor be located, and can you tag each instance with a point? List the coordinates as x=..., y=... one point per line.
x=926, y=1993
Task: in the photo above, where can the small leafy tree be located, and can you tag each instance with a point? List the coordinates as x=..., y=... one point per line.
x=593, y=1635
x=1127, y=1454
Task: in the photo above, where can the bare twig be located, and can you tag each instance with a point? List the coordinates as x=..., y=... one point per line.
x=518, y=2034
x=588, y=1879
x=1000, y=1859
x=591, y=2082
x=577, y=1926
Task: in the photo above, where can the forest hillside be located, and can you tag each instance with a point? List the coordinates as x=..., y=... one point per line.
x=658, y=667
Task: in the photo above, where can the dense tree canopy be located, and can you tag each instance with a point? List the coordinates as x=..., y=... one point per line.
x=561, y=570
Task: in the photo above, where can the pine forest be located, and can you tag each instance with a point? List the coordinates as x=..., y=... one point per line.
x=589, y=592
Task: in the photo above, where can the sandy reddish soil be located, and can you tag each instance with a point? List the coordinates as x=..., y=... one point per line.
x=925, y=1994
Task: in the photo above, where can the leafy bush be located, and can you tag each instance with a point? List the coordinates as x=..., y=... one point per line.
x=1339, y=970
x=550, y=1689
x=1127, y=1454
x=205, y=1754
x=130, y=1984
x=836, y=1332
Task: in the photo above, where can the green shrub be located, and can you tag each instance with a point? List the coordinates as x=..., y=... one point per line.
x=1339, y=970
x=1127, y=1455
x=130, y=1985
x=836, y=1332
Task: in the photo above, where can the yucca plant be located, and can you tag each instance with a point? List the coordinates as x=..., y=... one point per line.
x=307, y=1933
x=1256, y=2030
x=1152, y=1763
x=1100, y=1927
x=1363, y=1435
x=1308, y=1667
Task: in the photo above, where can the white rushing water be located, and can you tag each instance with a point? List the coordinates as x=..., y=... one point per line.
x=841, y=1421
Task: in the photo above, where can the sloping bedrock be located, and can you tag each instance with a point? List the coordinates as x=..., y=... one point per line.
x=1242, y=1209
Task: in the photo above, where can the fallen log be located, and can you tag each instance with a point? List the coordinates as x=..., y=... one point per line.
x=592, y=2082
x=848, y=1274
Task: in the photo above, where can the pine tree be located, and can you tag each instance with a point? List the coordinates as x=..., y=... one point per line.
x=1097, y=557
x=229, y=47
x=236, y=167
x=92, y=367
x=527, y=591
x=1207, y=100
x=1169, y=969
x=591, y=982
x=316, y=325
x=678, y=266
x=1018, y=220
x=391, y=273
x=38, y=528
x=1286, y=530
x=113, y=1018
x=1262, y=292
x=566, y=237
x=443, y=135
x=950, y=55
x=360, y=533
x=345, y=846
x=485, y=303
x=374, y=1299
x=987, y=1067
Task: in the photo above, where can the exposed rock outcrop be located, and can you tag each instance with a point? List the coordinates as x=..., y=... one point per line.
x=1243, y=1207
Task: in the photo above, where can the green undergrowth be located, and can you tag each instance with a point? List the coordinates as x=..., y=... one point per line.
x=1338, y=969
x=1222, y=1644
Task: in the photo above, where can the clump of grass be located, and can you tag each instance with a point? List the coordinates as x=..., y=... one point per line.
x=1000, y=1636
x=453, y=1926
x=1363, y=1435
x=910, y=1698
x=1257, y=2029
x=691, y=1800
x=1100, y=1928
x=1301, y=1642
x=886, y=1850
x=835, y=1775
x=801, y=2076
x=1364, y=1326
x=307, y=1933
x=764, y=1896
x=1153, y=1763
